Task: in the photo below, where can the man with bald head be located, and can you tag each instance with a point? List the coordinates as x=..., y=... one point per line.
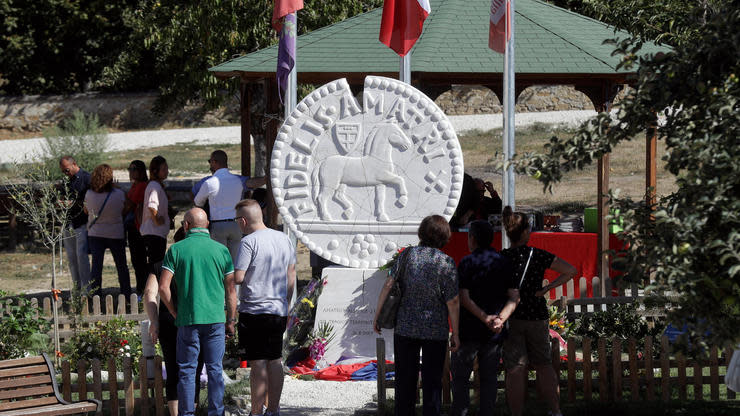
x=204, y=277
x=266, y=266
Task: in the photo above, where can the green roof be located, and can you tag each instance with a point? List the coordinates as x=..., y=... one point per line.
x=549, y=41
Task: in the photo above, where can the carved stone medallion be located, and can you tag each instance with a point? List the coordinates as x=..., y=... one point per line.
x=353, y=182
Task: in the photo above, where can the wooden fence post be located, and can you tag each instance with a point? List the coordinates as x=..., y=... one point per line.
x=112, y=384
x=380, y=352
x=82, y=379
x=128, y=381
x=97, y=381
x=66, y=381
x=665, y=370
x=109, y=305
x=698, y=370
x=587, y=375
x=121, y=304
x=727, y=354
x=571, y=370
x=617, y=368
x=144, y=387
x=603, y=372
x=634, y=380
x=681, y=375
x=159, y=385
x=649, y=375
x=714, y=373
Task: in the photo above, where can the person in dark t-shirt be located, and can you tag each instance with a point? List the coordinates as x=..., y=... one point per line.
x=489, y=295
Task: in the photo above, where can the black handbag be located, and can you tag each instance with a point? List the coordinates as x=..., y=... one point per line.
x=389, y=310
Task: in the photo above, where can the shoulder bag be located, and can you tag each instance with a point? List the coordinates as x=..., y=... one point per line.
x=102, y=207
x=387, y=315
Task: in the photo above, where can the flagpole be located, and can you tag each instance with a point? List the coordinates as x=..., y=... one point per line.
x=405, y=68
x=509, y=107
x=290, y=102
x=291, y=92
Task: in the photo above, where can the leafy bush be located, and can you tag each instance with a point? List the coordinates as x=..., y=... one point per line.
x=23, y=329
x=116, y=338
x=81, y=137
x=619, y=321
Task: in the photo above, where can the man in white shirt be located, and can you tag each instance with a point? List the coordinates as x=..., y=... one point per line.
x=223, y=191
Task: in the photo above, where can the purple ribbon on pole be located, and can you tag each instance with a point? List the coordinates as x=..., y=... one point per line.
x=286, y=52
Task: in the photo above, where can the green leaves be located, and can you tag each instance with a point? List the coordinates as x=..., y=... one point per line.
x=687, y=243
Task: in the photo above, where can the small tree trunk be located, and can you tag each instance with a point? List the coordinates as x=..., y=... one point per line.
x=54, y=302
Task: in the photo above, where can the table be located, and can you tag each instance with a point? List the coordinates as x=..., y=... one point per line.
x=578, y=249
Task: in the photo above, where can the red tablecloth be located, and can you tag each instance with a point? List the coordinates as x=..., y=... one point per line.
x=578, y=249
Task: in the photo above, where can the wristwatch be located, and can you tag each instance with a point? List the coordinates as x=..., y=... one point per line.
x=232, y=320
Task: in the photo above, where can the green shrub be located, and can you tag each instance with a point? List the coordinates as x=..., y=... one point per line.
x=81, y=137
x=619, y=321
x=23, y=329
x=116, y=338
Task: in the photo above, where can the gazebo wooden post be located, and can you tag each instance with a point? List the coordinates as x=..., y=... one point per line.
x=604, y=104
x=245, y=104
x=651, y=149
x=273, y=110
x=602, y=238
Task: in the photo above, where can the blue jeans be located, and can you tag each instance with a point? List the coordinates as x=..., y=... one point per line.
x=117, y=248
x=461, y=365
x=190, y=339
x=75, y=244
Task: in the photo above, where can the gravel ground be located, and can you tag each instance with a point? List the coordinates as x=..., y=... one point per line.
x=27, y=150
x=323, y=398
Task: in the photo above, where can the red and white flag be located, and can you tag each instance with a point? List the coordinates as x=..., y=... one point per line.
x=402, y=23
x=282, y=8
x=499, y=31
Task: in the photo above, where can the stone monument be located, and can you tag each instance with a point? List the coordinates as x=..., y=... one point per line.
x=353, y=183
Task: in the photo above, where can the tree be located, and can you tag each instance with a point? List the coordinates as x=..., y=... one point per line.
x=58, y=46
x=687, y=242
x=44, y=204
x=174, y=42
x=665, y=21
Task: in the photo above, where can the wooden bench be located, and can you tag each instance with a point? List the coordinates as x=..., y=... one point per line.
x=28, y=387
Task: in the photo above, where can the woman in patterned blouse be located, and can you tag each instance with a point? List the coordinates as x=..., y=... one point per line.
x=529, y=336
x=429, y=297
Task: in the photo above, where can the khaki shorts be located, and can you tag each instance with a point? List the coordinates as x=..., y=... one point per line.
x=528, y=342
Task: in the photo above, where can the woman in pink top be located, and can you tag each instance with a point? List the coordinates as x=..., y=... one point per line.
x=155, y=223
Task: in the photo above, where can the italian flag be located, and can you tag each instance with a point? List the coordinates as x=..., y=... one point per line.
x=402, y=23
x=499, y=31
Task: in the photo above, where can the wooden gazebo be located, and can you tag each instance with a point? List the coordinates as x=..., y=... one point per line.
x=553, y=47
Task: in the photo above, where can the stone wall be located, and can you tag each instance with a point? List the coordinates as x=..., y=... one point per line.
x=464, y=99
x=117, y=111
x=134, y=111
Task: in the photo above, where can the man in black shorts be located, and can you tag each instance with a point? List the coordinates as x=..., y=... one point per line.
x=265, y=267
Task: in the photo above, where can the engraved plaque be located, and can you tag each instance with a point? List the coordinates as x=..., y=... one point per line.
x=353, y=181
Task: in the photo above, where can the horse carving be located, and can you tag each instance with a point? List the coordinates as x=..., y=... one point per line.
x=375, y=168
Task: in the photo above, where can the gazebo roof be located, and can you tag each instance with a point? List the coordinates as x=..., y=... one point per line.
x=553, y=45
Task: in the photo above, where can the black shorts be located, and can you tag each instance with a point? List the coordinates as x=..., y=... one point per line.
x=261, y=336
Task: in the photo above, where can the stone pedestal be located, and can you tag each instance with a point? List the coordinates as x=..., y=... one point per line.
x=348, y=302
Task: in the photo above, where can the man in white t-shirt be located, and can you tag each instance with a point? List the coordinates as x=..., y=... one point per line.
x=223, y=191
x=266, y=266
